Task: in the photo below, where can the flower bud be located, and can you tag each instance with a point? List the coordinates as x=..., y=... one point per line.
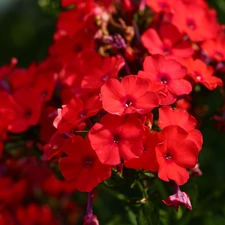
x=195, y=172
x=177, y=199
x=90, y=219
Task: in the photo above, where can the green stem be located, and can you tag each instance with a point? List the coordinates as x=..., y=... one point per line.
x=114, y=193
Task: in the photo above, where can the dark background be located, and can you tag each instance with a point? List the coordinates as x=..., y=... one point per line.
x=27, y=28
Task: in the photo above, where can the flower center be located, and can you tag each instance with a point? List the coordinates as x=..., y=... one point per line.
x=128, y=102
x=164, y=79
x=83, y=114
x=77, y=48
x=116, y=139
x=191, y=24
x=198, y=76
x=166, y=50
x=44, y=93
x=168, y=156
x=88, y=161
x=163, y=5
x=27, y=113
x=218, y=55
x=106, y=77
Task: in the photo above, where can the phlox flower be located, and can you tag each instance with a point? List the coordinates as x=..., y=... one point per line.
x=81, y=166
x=116, y=138
x=129, y=96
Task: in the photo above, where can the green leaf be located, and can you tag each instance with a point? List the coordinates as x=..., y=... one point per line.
x=148, y=215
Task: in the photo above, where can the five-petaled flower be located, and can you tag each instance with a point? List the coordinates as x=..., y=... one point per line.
x=81, y=167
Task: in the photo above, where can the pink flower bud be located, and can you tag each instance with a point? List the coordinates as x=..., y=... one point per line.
x=195, y=172
x=90, y=219
x=177, y=199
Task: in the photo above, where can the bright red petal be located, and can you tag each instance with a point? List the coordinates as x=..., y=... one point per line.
x=102, y=141
x=112, y=94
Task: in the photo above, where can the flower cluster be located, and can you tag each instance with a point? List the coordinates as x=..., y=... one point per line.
x=115, y=86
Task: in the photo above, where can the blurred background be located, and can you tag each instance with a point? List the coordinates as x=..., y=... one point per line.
x=27, y=28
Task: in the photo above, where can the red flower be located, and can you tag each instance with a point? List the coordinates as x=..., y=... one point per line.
x=82, y=167
x=175, y=154
x=28, y=110
x=161, y=5
x=175, y=116
x=129, y=96
x=198, y=22
x=71, y=21
x=74, y=113
x=12, y=192
x=5, y=70
x=116, y=138
x=66, y=3
x=73, y=74
x=147, y=160
x=21, y=78
x=31, y=215
x=202, y=73
x=215, y=48
x=102, y=71
x=167, y=42
x=55, y=187
x=179, y=198
x=168, y=74
x=54, y=149
x=7, y=112
x=65, y=48
x=179, y=117
x=46, y=120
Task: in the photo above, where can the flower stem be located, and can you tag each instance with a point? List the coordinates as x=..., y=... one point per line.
x=89, y=203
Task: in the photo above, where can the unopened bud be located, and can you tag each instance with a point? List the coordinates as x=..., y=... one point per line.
x=177, y=199
x=90, y=219
x=195, y=172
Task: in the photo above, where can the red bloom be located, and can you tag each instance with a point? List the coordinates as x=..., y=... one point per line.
x=31, y=215
x=116, y=138
x=5, y=70
x=46, y=120
x=102, y=71
x=73, y=74
x=174, y=116
x=161, y=5
x=176, y=154
x=65, y=48
x=54, y=149
x=7, y=112
x=45, y=79
x=215, y=48
x=167, y=42
x=74, y=113
x=147, y=160
x=179, y=117
x=198, y=22
x=202, y=73
x=11, y=192
x=66, y=3
x=129, y=96
x=21, y=78
x=82, y=167
x=168, y=74
x=28, y=110
x=72, y=21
